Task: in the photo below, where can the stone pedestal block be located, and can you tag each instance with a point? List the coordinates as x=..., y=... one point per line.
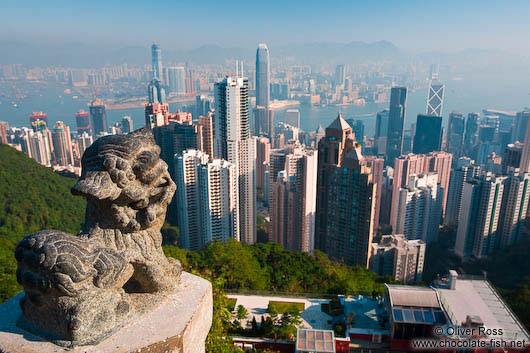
x=178, y=324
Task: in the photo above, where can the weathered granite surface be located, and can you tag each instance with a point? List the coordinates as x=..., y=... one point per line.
x=79, y=289
x=180, y=323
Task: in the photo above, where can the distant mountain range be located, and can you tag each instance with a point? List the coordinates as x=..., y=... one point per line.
x=92, y=55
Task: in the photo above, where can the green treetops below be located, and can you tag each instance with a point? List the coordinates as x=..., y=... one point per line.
x=33, y=198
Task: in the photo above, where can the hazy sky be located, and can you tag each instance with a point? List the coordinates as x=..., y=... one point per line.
x=412, y=25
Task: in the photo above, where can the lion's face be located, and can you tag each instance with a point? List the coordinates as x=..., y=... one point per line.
x=126, y=184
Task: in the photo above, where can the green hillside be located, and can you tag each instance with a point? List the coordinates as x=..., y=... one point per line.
x=32, y=197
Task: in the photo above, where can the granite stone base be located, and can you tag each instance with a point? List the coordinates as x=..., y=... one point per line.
x=178, y=324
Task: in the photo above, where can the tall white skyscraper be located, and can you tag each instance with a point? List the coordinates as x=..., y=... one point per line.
x=219, y=206
x=234, y=143
x=293, y=204
x=207, y=199
x=263, y=76
x=419, y=208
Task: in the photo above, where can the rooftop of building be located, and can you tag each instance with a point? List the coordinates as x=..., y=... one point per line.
x=477, y=298
x=339, y=124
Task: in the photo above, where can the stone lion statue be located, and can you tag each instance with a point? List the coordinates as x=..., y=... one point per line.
x=79, y=289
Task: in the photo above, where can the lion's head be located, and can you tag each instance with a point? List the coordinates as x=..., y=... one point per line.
x=125, y=182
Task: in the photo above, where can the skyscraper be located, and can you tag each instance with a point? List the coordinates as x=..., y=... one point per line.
x=381, y=132
x=340, y=75
x=464, y=171
x=38, y=121
x=206, y=199
x=127, y=125
x=156, y=57
x=396, y=121
x=455, y=134
x=512, y=156
x=435, y=98
x=262, y=160
x=419, y=208
x=479, y=216
x=519, y=130
x=471, y=134
x=377, y=166
x=39, y=147
x=525, y=156
x=62, y=145
x=345, y=197
x=4, y=126
x=98, y=117
x=83, y=142
x=407, y=165
x=292, y=117
x=174, y=138
x=234, y=143
x=206, y=121
x=428, y=136
x=293, y=208
x=83, y=122
x=514, y=208
x=263, y=76
x=177, y=79
x=156, y=92
x=263, y=122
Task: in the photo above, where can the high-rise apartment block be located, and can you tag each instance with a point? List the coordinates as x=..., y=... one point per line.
x=463, y=172
x=398, y=257
x=206, y=121
x=479, y=216
x=62, y=145
x=407, y=165
x=293, y=201
x=419, y=208
x=234, y=143
x=207, y=199
x=345, y=197
x=262, y=161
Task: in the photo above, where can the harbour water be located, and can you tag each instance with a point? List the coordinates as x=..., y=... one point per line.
x=461, y=95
